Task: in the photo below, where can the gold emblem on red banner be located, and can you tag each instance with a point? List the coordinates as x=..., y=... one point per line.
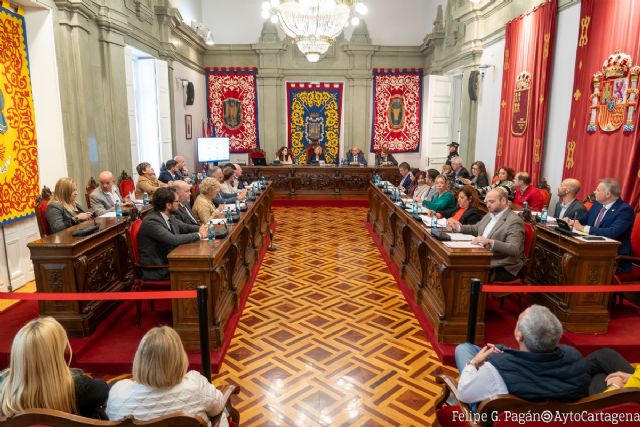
x=571, y=148
x=536, y=150
x=615, y=95
x=520, y=108
x=500, y=142
x=584, y=38
x=545, y=48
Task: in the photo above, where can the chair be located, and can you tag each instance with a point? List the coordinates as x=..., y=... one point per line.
x=53, y=418
x=140, y=283
x=588, y=201
x=529, y=244
x=42, y=201
x=493, y=411
x=256, y=153
x=495, y=179
x=633, y=276
x=545, y=190
x=126, y=184
x=91, y=185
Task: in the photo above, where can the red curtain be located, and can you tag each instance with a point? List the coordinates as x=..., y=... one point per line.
x=605, y=145
x=526, y=79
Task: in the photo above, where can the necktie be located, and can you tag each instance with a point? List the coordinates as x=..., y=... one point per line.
x=600, y=216
x=170, y=226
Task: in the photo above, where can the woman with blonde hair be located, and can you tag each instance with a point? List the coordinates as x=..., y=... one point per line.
x=161, y=384
x=203, y=208
x=63, y=211
x=38, y=376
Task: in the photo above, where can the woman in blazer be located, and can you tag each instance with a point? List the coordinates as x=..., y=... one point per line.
x=203, y=208
x=466, y=211
x=479, y=177
x=147, y=181
x=444, y=199
x=63, y=211
x=385, y=158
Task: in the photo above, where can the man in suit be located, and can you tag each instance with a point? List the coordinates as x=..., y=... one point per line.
x=170, y=174
x=568, y=206
x=161, y=232
x=222, y=197
x=458, y=169
x=182, y=172
x=526, y=192
x=237, y=170
x=404, y=170
x=317, y=156
x=356, y=157
x=609, y=217
x=184, y=213
x=103, y=199
x=502, y=232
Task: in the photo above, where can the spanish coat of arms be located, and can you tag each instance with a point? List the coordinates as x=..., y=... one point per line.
x=615, y=95
x=520, y=108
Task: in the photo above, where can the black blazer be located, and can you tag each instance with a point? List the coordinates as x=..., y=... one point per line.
x=314, y=158
x=183, y=215
x=166, y=177
x=59, y=218
x=480, y=181
x=155, y=241
x=574, y=210
x=469, y=217
x=224, y=198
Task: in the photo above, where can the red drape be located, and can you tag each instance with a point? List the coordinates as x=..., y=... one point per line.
x=608, y=145
x=526, y=77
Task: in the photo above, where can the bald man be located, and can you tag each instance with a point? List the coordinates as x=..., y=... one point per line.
x=181, y=171
x=184, y=212
x=568, y=206
x=103, y=199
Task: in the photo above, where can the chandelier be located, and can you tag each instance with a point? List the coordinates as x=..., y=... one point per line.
x=313, y=24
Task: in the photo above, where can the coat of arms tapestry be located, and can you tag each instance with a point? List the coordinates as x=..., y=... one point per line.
x=314, y=118
x=18, y=144
x=232, y=106
x=526, y=77
x=397, y=110
x=603, y=137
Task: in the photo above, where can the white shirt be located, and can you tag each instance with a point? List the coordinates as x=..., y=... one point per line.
x=607, y=207
x=114, y=196
x=476, y=385
x=564, y=208
x=494, y=220
x=166, y=219
x=194, y=396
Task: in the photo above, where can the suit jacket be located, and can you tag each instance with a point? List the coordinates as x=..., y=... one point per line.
x=380, y=160
x=147, y=185
x=360, y=159
x=203, y=209
x=405, y=182
x=166, y=177
x=314, y=157
x=616, y=224
x=575, y=209
x=183, y=215
x=101, y=202
x=508, y=234
x=155, y=241
x=224, y=198
x=469, y=217
x=480, y=181
x=462, y=173
x=59, y=218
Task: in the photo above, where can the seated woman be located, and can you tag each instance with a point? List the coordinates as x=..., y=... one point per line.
x=610, y=371
x=63, y=211
x=161, y=384
x=479, y=177
x=444, y=199
x=229, y=183
x=466, y=212
x=147, y=181
x=39, y=377
x=317, y=156
x=203, y=208
x=422, y=188
x=284, y=156
x=385, y=158
x=428, y=192
x=505, y=180
x=447, y=172
x=414, y=182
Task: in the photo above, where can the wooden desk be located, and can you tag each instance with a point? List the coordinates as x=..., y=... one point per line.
x=559, y=259
x=437, y=275
x=330, y=180
x=99, y=262
x=224, y=266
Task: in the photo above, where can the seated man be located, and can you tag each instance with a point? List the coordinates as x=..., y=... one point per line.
x=182, y=173
x=356, y=157
x=502, y=232
x=568, y=206
x=171, y=172
x=540, y=369
x=103, y=199
x=237, y=169
x=160, y=233
x=404, y=170
x=526, y=192
x=184, y=213
x=609, y=217
x=458, y=170
x=222, y=197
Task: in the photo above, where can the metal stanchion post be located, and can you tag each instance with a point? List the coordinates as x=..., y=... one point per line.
x=474, y=294
x=203, y=320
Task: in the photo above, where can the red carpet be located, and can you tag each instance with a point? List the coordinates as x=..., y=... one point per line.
x=328, y=203
x=110, y=349
x=623, y=333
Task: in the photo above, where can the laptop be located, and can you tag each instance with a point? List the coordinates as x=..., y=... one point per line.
x=565, y=228
x=259, y=161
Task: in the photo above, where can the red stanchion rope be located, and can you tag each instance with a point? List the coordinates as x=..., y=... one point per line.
x=97, y=296
x=488, y=288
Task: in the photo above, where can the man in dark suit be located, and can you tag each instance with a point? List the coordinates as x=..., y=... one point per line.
x=404, y=170
x=609, y=217
x=170, y=174
x=161, y=232
x=184, y=213
x=458, y=169
x=356, y=157
x=182, y=173
x=568, y=206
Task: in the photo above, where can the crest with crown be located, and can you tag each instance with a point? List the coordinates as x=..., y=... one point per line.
x=523, y=81
x=617, y=65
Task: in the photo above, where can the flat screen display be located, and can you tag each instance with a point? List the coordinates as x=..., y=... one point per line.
x=213, y=149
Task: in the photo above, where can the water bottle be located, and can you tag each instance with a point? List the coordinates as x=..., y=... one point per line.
x=211, y=232
x=264, y=181
x=145, y=198
x=414, y=209
x=118, y=209
x=238, y=206
x=229, y=217
x=434, y=220
x=543, y=216
x=525, y=207
x=386, y=186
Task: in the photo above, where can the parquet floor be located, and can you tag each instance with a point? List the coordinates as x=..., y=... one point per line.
x=326, y=338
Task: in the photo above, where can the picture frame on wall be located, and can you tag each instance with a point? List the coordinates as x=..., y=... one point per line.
x=188, y=129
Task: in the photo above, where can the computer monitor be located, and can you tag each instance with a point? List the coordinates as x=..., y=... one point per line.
x=213, y=150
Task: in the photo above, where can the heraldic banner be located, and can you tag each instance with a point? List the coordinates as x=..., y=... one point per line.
x=18, y=144
x=313, y=118
x=526, y=77
x=397, y=110
x=603, y=137
x=232, y=106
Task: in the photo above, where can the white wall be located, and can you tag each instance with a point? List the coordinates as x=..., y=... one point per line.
x=189, y=9
x=187, y=147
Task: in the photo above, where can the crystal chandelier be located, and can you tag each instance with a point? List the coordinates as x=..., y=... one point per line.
x=313, y=24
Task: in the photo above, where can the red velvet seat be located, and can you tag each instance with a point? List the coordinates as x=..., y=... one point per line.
x=634, y=275
x=256, y=153
x=41, y=209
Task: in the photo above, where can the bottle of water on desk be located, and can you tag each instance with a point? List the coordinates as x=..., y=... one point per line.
x=238, y=206
x=543, y=216
x=229, y=217
x=211, y=232
x=145, y=198
x=414, y=209
x=118, y=209
x=434, y=220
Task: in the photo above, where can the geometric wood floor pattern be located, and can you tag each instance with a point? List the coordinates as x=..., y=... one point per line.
x=326, y=337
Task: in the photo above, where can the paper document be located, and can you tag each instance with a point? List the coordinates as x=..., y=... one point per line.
x=108, y=215
x=215, y=221
x=460, y=237
x=596, y=239
x=462, y=245
x=442, y=222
